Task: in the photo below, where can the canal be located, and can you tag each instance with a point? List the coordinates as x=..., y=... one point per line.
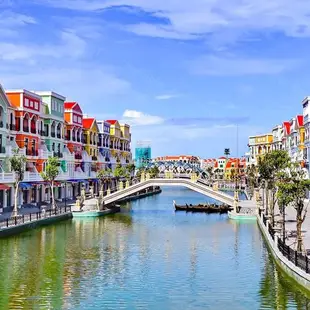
x=147, y=257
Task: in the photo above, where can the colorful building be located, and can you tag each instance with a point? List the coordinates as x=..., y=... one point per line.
x=258, y=146
x=104, y=143
x=41, y=124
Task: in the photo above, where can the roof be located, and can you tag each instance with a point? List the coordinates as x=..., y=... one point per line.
x=4, y=96
x=300, y=120
x=50, y=93
x=222, y=157
x=73, y=105
x=112, y=121
x=70, y=105
x=287, y=127
x=88, y=122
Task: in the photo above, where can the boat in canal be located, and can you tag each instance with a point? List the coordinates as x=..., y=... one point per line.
x=95, y=213
x=207, y=208
x=248, y=214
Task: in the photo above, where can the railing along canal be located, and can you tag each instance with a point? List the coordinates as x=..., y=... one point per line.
x=299, y=259
x=32, y=217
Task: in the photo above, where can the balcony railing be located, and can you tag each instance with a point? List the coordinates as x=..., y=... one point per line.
x=58, y=154
x=77, y=156
x=31, y=152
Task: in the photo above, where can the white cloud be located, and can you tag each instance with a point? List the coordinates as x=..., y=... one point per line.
x=137, y=118
x=166, y=96
x=70, y=46
x=12, y=22
x=230, y=66
x=188, y=19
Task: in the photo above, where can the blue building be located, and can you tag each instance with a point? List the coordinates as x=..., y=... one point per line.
x=143, y=153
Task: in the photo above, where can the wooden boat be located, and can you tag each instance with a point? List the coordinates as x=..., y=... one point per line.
x=208, y=208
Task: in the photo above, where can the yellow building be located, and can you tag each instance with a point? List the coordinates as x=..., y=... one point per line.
x=90, y=134
x=125, y=143
x=259, y=145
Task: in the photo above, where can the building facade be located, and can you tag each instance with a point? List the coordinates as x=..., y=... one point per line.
x=41, y=124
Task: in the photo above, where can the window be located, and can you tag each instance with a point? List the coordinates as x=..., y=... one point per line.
x=74, y=118
x=80, y=120
x=36, y=105
x=31, y=104
x=26, y=102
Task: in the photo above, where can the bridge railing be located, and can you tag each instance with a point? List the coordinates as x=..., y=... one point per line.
x=128, y=186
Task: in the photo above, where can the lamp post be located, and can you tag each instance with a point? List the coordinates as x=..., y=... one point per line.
x=65, y=195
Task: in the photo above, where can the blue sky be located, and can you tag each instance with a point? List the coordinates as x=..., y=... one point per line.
x=182, y=73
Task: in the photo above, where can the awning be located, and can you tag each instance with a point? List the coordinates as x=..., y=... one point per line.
x=83, y=181
x=4, y=187
x=24, y=185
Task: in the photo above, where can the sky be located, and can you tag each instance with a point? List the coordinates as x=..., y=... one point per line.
x=184, y=74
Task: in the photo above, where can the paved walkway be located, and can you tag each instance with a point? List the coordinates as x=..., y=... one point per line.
x=290, y=226
x=33, y=209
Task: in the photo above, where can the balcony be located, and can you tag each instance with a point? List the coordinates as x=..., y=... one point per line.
x=31, y=152
x=77, y=156
x=58, y=154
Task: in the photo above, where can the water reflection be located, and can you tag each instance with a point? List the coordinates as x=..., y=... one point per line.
x=149, y=258
x=276, y=289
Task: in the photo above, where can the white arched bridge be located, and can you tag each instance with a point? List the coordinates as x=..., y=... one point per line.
x=192, y=183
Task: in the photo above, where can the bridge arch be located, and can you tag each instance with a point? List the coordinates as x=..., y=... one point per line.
x=193, y=185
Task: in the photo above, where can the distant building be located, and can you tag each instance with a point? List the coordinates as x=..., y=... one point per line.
x=143, y=153
x=190, y=159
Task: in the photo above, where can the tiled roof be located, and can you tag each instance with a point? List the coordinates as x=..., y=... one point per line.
x=88, y=122
x=112, y=121
x=287, y=127
x=300, y=120
x=69, y=105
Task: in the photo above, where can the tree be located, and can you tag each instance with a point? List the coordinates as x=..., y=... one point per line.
x=103, y=175
x=50, y=174
x=131, y=169
x=18, y=163
x=292, y=189
x=210, y=173
x=269, y=168
x=252, y=179
x=154, y=172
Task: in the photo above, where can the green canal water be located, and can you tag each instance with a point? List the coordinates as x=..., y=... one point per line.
x=147, y=257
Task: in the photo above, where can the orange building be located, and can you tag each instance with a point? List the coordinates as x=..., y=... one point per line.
x=28, y=125
x=74, y=129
